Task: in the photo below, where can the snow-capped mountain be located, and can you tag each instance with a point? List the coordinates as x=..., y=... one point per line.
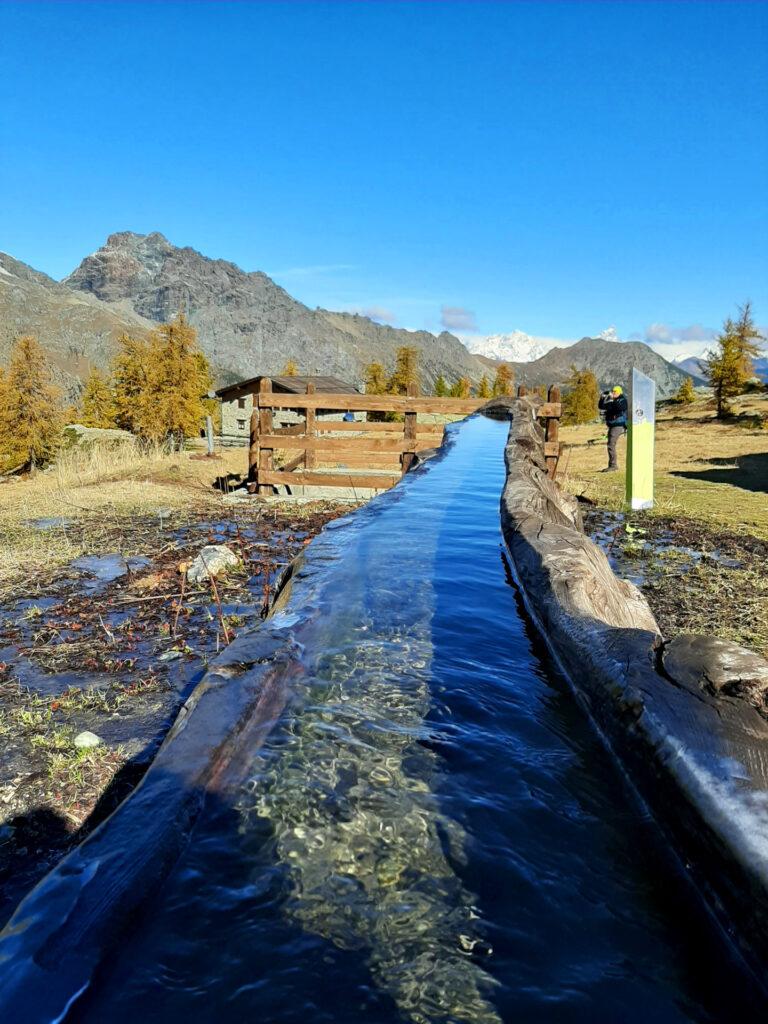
x=519, y=347
x=516, y=347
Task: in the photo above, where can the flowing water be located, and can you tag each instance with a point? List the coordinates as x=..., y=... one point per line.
x=433, y=833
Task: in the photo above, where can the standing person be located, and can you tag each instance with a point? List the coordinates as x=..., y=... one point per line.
x=613, y=406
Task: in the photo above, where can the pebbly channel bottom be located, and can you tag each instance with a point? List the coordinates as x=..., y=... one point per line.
x=433, y=833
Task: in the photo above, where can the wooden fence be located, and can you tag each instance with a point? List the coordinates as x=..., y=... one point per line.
x=314, y=448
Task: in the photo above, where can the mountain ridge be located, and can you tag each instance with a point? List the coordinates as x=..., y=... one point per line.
x=75, y=329
x=248, y=325
x=610, y=361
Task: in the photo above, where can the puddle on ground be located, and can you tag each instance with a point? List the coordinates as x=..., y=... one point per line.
x=50, y=523
x=636, y=557
x=105, y=569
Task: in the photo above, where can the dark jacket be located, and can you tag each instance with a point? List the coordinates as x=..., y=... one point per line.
x=614, y=409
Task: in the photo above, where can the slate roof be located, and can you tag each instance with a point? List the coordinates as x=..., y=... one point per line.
x=288, y=385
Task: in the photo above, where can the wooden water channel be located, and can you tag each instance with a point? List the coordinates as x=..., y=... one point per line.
x=364, y=449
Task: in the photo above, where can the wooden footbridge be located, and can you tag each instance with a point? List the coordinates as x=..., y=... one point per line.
x=359, y=453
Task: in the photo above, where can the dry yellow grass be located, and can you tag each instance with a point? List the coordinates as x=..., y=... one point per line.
x=716, y=473
x=99, y=490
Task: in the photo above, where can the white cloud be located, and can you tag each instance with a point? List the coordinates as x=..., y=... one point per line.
x=677, y=342
x=380, y=314
x=456, y=318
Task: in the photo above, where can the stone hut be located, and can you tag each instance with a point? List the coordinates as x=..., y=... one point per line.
x=237, y=403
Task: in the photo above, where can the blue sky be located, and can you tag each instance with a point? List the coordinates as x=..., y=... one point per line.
x=552, y=167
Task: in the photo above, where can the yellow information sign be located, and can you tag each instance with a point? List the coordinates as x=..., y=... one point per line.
x=640, y=441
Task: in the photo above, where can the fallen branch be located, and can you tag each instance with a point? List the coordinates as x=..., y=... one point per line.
x=158, y=597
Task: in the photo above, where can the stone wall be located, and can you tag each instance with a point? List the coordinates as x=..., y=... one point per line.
x=236, y=418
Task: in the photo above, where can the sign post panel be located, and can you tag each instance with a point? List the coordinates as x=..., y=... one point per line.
x=640, y=441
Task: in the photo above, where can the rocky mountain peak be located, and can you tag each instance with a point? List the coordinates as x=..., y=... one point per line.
x=246, y=323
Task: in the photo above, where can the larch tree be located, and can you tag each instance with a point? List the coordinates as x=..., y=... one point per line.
x=131, y=371
x=375, y=379
x=171, y=407
x=98, y=401
x=462, y=388
x=729, y=366
x=406, y=375
x=31, y=415
x=376, y=383
x=581, y=397
x=484, y=388
x=504, y=381
x=441, y=388
x=685, y=393
x=291, y=368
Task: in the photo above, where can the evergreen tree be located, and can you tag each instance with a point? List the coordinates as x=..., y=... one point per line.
x=406, y=373
x=685, y=393
x=729, y=366
x=30, y=408
x=504, y=381
x=291, y=368
x=461, y=389
x=441, y=388
x=484, y=388
x=580, y=399
x=98, y=402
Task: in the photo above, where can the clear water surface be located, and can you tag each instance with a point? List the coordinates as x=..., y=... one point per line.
x=434, y=833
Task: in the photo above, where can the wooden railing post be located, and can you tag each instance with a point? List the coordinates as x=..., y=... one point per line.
x=253, y=448
x=551, y=434
x=310, y=419
x=409, y=432
x=266, y=455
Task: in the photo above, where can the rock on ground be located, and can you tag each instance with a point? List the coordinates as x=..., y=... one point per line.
x=212, y=561
x=86, y=740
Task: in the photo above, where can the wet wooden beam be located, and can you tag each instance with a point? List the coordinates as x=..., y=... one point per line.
x=378, y=481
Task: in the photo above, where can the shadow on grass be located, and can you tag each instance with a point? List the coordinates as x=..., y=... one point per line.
x=750, y=472
x=40, y=837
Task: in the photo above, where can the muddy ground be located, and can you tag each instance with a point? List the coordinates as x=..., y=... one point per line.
x=696, y=580
x=112, y=645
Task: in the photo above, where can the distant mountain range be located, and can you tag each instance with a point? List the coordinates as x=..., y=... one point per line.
x=610, y=361
x=248, y=325
x=519, y=347
x=695, y=366
x=516, y=347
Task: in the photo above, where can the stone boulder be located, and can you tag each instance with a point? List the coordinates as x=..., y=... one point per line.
x=213, y=560
x=77, y=436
